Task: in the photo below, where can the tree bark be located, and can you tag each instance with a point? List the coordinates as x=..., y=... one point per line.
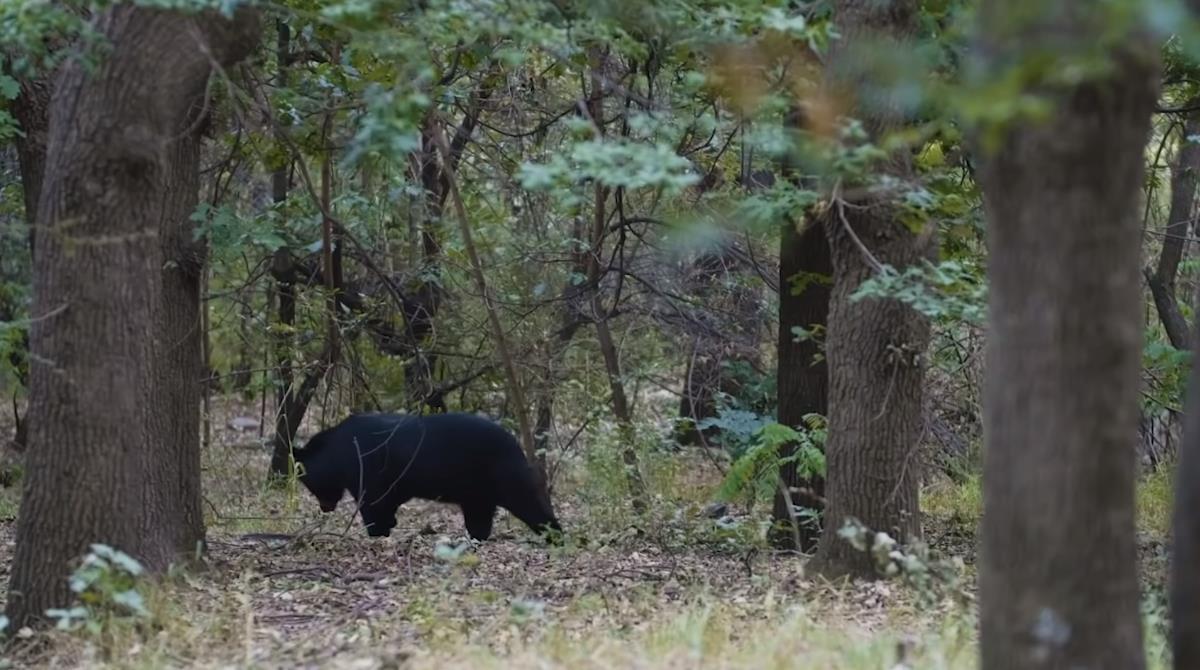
x=621, y=410
x=99, y=468
x=1058, y=574
x=1179, y=221
x=875, y=347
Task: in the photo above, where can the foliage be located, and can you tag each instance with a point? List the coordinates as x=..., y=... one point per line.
x=948, y=290
x=932, y=578
x=106, y=585
x=1167, y=368
x=754, y=473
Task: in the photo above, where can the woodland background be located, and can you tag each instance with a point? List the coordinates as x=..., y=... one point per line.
x=728, y=269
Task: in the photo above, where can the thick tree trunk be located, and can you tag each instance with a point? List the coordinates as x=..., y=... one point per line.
x=1184, y=175
x=99, y=469
x=803, y=377
x=1058, y=578
x=875, y=347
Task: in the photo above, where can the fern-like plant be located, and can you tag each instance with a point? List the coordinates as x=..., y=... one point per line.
x=755, y=473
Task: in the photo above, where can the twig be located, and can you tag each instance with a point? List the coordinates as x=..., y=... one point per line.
x=840, y=205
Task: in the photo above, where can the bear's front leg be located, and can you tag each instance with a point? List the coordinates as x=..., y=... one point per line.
x=478, y=518
x=379, y=523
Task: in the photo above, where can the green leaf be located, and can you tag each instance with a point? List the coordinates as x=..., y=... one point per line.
x=9, y=88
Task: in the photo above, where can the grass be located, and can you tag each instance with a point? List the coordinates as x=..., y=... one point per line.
x=963, y=503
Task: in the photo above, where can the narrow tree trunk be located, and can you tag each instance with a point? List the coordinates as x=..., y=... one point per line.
x=571, y=319
x=1179, y=221
x=595, y=106
x=622, y=412
x=802, y=377
x=1058, y=578
x=99, y=469
x=875, y=347
x=294, y=401
x=288, y=400
x=805, y=273
x=419, y=371
x=283, y=271
x=31, y=109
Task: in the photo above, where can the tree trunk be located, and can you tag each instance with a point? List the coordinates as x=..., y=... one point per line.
x=290, y=403
x=294, y=400
x=419, y=374
x=803, y=377
x=571, y=319
x=31, y=109
x=516, y=388
x=875, y=347
x=98, y=468
x=599, y=61
x=621, y=410
x=1179, y=221
x=1058, y=577
x=419, y=370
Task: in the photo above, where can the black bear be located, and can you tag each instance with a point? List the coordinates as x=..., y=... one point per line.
x=384, y=460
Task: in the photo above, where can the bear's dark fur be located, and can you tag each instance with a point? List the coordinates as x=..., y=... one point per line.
x=384, y=460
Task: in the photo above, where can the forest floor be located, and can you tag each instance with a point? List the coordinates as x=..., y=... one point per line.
x=687, y=593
